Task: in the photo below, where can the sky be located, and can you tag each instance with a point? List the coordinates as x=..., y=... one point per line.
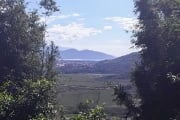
x=98, y=25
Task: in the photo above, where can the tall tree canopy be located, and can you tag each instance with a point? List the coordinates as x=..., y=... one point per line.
x=21, y=39
x=158, y=36
x=25, y=93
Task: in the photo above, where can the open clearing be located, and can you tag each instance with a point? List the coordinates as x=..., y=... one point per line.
x=76, y=88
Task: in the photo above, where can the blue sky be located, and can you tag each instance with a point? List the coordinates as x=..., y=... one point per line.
x=98, y=25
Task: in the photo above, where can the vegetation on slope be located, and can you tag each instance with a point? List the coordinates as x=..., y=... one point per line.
x=122, y=66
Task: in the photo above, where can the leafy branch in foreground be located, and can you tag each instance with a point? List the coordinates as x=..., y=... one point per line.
x=30, y=100
x=122, y=97
x=96, y=113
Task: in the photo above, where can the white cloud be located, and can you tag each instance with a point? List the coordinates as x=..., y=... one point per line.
x=126, y=23
x=72, y=31
x=76, y=14
x=107, y=28
x=58, y=17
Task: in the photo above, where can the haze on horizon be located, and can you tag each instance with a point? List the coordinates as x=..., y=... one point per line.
x=93, y=25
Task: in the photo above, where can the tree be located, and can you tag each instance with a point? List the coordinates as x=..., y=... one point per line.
x=122, y=97
x=20, y=41
x=51, y=54
x=25, y=93
x=158, y=36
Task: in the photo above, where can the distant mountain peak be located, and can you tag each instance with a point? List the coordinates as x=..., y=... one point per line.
x=74, y=54
x=121, y=65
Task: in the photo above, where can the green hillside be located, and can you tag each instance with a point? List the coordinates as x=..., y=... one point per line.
x=121, y=66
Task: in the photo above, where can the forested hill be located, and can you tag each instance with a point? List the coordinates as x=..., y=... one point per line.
x=121, y=65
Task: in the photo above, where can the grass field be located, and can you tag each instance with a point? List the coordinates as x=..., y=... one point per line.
x=76, y=88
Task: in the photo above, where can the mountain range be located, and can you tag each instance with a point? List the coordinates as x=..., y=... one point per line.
x=84, y=55
x=121, y=65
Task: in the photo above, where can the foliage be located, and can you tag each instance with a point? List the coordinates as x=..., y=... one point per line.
x=96, y=113
x=20, y=41
x=122, y=97
x=60, y=115
x=173, y=78
x=25, y=93
x=51, y=54
x=158, y=37
x=49, y=6
x=29, y=102
x=84, y=107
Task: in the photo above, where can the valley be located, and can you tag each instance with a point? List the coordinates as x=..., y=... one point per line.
x=74, y=89
x=82, y=80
